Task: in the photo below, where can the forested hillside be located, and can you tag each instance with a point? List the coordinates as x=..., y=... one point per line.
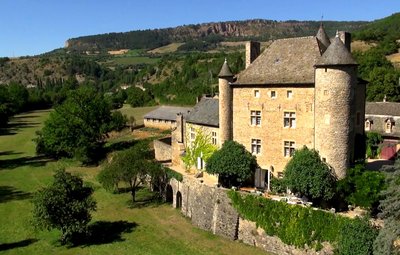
x=374, y=65
x=257, y=29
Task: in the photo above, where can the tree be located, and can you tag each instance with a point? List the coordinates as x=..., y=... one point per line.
x=388, y=238
x=77, y=127
x=137, y=97
x=130, y=166
x=233, y=163
x=66, y=204
x=201, y=147
x=309, y=176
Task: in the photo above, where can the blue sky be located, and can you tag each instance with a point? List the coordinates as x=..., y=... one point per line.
x=30, y=27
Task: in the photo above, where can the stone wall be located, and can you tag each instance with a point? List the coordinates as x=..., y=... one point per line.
x=162, y=149
x=160, y=124
x=250, y=234
x=210, y=208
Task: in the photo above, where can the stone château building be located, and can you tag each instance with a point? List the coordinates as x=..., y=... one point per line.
x=299, y=92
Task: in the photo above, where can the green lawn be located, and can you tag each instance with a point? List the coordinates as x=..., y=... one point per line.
x=119, y=228
x=138, y=113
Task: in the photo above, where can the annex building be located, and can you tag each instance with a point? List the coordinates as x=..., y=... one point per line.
x=298, y=92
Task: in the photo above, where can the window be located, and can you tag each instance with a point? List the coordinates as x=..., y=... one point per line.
x=367, y=126
x=255, y=118
x=214, y=138
x=255, y=146
x=192, y=134
x=288, y=148
x=289, y=94
x=256, y=93
x=388, y=125
x=289, y=119
x=273, y=94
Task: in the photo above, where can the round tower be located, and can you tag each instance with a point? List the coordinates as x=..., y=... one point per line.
x=225, y=103
x=335, y=84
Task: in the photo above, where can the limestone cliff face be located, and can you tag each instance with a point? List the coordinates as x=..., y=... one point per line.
x=257, y=28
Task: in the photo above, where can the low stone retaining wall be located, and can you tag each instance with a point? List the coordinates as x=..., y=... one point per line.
x=163, y=149
x=210, y=208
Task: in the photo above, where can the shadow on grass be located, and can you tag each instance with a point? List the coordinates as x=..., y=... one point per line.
x=8, y=193
x=104, y=232
x=23, y=243
x=35, y=161
x=145, y=198
x=13, y=127
x=8, y=153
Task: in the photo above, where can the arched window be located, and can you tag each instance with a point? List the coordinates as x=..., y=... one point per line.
x=368, y=124
x=389, y=123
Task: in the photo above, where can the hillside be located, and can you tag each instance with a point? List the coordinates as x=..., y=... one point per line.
x=259, y=29
x=378, y=30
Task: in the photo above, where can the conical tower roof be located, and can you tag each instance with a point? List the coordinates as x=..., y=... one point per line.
x=336, y=54
x=322, y=36
x=225, y=71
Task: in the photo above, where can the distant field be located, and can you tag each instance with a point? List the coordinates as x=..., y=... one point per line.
x=132, y=60
x=138, y=112
x=361, y=46
x=395, y=59
x=121, y=229
x=166, y=49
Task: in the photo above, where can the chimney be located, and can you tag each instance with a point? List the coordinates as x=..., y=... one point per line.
x=252, y=52
x=178, y=133
x=345, y=37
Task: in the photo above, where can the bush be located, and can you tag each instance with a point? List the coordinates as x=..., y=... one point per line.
x=301, y=226
x=356, y=238
x=233, y=163
x=361, y=187
x=309, y=176
x=65, y=205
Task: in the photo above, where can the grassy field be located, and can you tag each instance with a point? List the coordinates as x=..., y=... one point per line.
x=119, y=227
x=172, y=47
x=138, y=113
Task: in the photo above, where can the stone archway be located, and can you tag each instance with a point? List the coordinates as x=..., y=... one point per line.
x=178, y=200
x=169, y=194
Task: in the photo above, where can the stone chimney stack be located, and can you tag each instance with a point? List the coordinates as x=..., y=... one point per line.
x=345, y=37
x=252, y=52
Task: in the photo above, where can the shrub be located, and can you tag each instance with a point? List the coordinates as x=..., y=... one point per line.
x=301, y=226
x=309, y=176
x=233, y=163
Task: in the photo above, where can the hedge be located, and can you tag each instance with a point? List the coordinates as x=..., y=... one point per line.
x=293, y=224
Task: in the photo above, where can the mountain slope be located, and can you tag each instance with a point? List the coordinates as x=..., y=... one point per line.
x=217, y=31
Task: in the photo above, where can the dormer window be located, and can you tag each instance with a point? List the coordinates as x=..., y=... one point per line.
x=389, y=123
x=367, y=124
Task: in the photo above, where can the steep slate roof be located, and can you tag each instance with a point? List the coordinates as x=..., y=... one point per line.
x=336, y=54
x=285, y=61
x=323, y=37
x=225, y=70
x=205, y=112
x=382, y=108
x=167, y=112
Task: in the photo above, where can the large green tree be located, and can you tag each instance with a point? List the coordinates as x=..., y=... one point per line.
x=66, y=204
x=233, y=164
x=388, y=238
x=77, y=127
x=131, y=166
x=309, y=176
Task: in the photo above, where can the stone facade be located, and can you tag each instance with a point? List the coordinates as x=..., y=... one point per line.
x=272, y=131
x=335, y=111
x=163, y=149
x=159, y=124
